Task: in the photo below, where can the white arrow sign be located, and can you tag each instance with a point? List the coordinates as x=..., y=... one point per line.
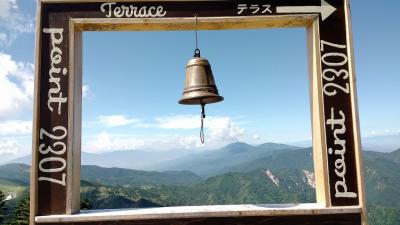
x=325, y=9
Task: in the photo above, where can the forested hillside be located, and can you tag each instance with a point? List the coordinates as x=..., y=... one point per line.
x=270, y=176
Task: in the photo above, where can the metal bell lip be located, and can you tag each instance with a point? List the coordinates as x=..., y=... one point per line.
x=200, y=85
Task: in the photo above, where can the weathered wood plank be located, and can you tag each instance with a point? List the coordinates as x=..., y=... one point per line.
x=330, y=219
x=177, y=212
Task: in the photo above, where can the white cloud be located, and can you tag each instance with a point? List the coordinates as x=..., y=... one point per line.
x=87, y=92
x=220, y=128
x=256, y=137
x=3, y=39
x=13, y=22
x=224, y=129
x=107, y=142
x=11, y=149
x=5, y=7
x=219, y=131
x=188, y=142
x=178, y=122
x=117, y=120
x=16, y=85
x=15, y=127
x=381, y=132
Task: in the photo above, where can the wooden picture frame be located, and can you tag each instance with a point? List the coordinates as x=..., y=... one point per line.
x=55, y=178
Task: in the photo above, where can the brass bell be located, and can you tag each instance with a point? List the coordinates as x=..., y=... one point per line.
x=200, y=88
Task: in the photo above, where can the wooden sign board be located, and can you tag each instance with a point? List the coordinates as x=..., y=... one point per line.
x=58, y=84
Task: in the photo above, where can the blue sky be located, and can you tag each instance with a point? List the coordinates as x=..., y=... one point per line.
x=133, y=80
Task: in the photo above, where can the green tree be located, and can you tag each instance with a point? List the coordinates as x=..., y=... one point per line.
x=21, y=215
x=2, y=206
x=85, y=204
x=380, y=215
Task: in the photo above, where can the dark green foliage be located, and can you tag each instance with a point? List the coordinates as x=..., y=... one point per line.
x=85, y=204
x=2, y=206
x=106, y=197
x=382, y=182
x=232, y=188
x=127, y=177
x=380, y=215
x=395, y=155
x=21, y=214
x=227, y=159
x=12, y=203
x=290, y=159
x=18, y=173
x=254, y=187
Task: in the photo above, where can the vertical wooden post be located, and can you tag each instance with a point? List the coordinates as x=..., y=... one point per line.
x=75, y=121
x=51, y=150
x=35, y=122
x=317, y=115
x=356, y=120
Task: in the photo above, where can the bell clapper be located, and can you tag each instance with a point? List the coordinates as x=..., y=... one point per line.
x=203, y=116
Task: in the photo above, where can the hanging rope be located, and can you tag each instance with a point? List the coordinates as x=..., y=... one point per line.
x=197, y=50
x=197, y=54
x=203, y=115
x=197, y=41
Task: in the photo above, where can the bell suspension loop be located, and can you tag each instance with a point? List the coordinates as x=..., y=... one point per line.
x=196, y=53
x=203, y=115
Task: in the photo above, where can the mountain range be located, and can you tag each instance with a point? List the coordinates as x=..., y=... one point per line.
x=275, y=162
x=160, y=160
x=235, y=174
x=194, y=161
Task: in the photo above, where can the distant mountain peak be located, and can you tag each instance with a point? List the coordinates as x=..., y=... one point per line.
x=238, y=147
x=19, y=166
x=269, y=143
x=276, y=146
x=238, y=144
